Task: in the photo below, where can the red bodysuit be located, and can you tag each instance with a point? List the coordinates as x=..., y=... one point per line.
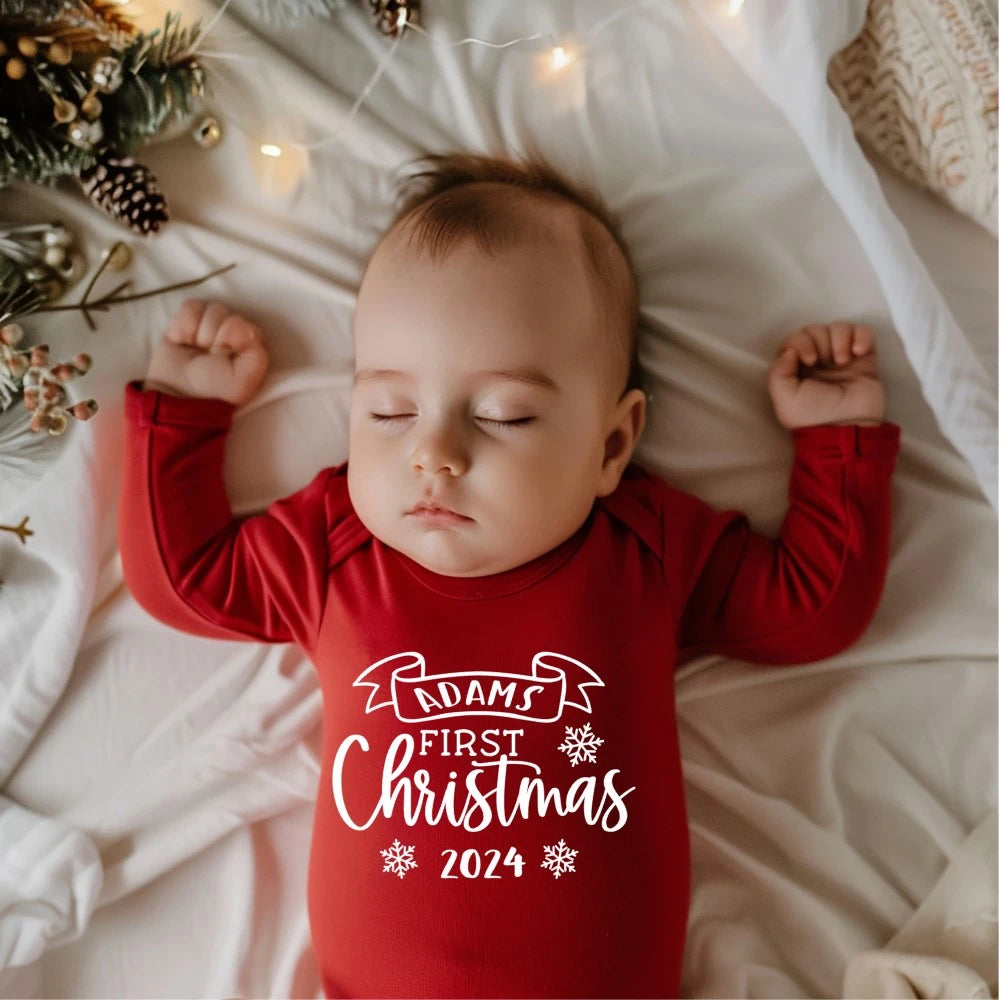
x=500, y=810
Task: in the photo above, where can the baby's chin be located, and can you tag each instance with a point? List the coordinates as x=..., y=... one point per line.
x=449, y=552
x=447, y=559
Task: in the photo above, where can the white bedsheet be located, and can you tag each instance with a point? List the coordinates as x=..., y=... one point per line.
x=157, y=788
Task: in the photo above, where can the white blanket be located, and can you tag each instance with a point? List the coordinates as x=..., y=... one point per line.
x=157, y=788
x=949, y=946
x=777, y=42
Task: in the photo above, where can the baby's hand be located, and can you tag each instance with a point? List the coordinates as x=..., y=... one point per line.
x=838, y=383
x=208, y=351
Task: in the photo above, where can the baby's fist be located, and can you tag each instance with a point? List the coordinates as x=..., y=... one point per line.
x=827, y=373
x=208, y=351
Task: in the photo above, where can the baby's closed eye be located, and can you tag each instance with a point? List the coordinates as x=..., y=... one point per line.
x=520, y=422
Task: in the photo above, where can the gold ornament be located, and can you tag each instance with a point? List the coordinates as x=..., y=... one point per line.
x=63, y=110
x=16, y=68
x=59, y=54
x=207, y=133
x=91, y=106
x=27, y=46
x=118, y=256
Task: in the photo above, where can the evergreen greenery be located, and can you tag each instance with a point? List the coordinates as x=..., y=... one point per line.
x=160, y=80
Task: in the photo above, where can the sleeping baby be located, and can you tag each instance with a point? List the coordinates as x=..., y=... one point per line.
x=494, y=595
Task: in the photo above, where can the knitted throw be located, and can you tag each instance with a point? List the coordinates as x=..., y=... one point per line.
x=920, y=86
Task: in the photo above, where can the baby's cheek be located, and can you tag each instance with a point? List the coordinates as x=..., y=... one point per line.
x=364, y=483
x=536, y=486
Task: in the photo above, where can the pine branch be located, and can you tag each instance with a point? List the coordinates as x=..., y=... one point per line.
x=161, y=82
x=38, y=157
x=175, y=43
x=19, y=301
x=148, y=100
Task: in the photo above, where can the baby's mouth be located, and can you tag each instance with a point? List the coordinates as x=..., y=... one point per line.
x=430, y=509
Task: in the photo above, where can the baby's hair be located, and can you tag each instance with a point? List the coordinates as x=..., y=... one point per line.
x=466, y=194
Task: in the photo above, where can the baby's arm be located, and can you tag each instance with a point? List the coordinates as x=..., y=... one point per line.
x=811, y=592
x=185, y=558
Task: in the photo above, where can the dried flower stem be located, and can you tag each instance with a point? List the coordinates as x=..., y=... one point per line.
x=111, y=298
x=22, y=530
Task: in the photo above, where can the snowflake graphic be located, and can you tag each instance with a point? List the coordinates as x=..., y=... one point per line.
x=559, y=858
x=398, y=859
x=580, y=744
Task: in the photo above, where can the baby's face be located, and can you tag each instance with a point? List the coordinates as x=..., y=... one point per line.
x=562, y=438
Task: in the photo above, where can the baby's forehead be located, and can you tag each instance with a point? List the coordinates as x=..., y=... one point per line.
x=551, y=268
x=529, y=224
x=576, y=287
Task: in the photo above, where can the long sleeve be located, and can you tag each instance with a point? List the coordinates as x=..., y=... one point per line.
x=186, y=559
x=812, y=591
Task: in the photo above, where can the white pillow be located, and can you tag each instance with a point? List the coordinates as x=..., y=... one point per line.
x=920, y=86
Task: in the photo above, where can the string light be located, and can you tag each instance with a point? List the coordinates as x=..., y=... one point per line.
x=560, y=56
x=279, y=169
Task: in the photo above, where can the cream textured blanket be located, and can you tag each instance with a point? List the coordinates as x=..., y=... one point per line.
x=920, y=85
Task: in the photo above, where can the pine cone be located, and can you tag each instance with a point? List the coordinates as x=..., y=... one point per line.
x=386, y=14
x=126, y=190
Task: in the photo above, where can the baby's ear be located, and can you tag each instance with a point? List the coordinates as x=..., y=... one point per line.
x=634, y=405
x=622, y=438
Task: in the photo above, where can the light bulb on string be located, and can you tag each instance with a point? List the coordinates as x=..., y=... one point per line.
x=279, y=165
x=559, y=73
x=560, y=59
